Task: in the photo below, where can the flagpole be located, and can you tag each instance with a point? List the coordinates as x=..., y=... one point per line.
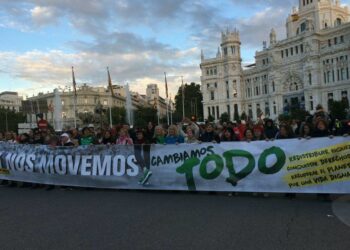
x=110, y=98
x=75, y=99
x=183, y=97
x=171, y=111
x=110, y=113
x=158, y=113
x=167, y=97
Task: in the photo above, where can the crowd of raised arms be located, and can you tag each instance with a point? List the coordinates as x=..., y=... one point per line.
x=318, y=125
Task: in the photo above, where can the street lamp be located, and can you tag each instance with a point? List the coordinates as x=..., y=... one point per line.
x=99, y=110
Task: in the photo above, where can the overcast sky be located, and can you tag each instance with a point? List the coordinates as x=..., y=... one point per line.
x=139, y=40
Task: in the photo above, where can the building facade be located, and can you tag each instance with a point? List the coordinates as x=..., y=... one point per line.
x=88, y=99
x=10, y=100
x=309, y=67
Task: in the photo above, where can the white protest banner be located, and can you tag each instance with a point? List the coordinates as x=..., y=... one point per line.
x=299, y=166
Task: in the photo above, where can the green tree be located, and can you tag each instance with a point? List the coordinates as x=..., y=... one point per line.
x=118, y=115
x=338, y=110
x=299, y=114
x=9, y=119
x=243, y=116
x=211, y=118
x=143, y=115
x=193, y=102
x=225, y=117
x=235, y=116
x=284, y=118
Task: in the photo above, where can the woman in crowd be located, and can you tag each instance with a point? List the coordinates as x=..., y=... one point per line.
x=124, y=138
x=159, y=135
x=190, y=136
x=270, y=130
x=107, y=138
x=321, y=129
x=173, y=136
x=228, y=135
x=258, y=133
x=249, y=135
x=306, y=130
x=285, y=132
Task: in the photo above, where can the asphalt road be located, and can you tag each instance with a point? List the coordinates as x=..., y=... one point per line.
x=104, y=219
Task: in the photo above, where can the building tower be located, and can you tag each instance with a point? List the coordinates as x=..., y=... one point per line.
x=273, y=37
x=232, y=87
x=152, y=92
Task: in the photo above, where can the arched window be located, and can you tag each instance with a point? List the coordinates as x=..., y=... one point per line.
x=338, y=21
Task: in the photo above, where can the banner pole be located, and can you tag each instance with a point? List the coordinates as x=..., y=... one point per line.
x=110, y=112
x=75, y=111
x=183, y=97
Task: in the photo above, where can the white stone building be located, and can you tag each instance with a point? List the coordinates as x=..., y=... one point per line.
x=88, y=98
x=309, y=67
x=10, y=100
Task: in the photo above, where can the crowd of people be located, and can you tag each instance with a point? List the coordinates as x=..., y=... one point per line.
x=188, y=131
x=320, y=124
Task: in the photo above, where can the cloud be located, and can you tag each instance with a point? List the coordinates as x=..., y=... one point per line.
x=53, y=68
x=133, y=37
x=44, y=15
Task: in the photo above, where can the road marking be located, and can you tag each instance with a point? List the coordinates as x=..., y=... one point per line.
x=341, y=209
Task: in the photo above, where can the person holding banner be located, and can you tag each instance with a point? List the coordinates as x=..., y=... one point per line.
x=228, y=135
x=321, y=129
x=249, y=135
x=66, y=141
x=87, y=138
x=107, y=138
x=209, y=135
x=285, y=132
x=142, y=150
x=306, y=130
x=149, y=131
x=124, y=138
x=270, y=130
x=190, y=136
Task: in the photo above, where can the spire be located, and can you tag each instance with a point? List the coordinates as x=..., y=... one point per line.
x=218, y=54
x=273, y=37
x=202, y=55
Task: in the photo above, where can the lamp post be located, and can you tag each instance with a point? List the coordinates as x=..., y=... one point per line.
x=99, y=110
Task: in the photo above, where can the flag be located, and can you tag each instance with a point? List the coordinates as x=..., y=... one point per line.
x=166, y=86
x=74, y=83
x=110, y=82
